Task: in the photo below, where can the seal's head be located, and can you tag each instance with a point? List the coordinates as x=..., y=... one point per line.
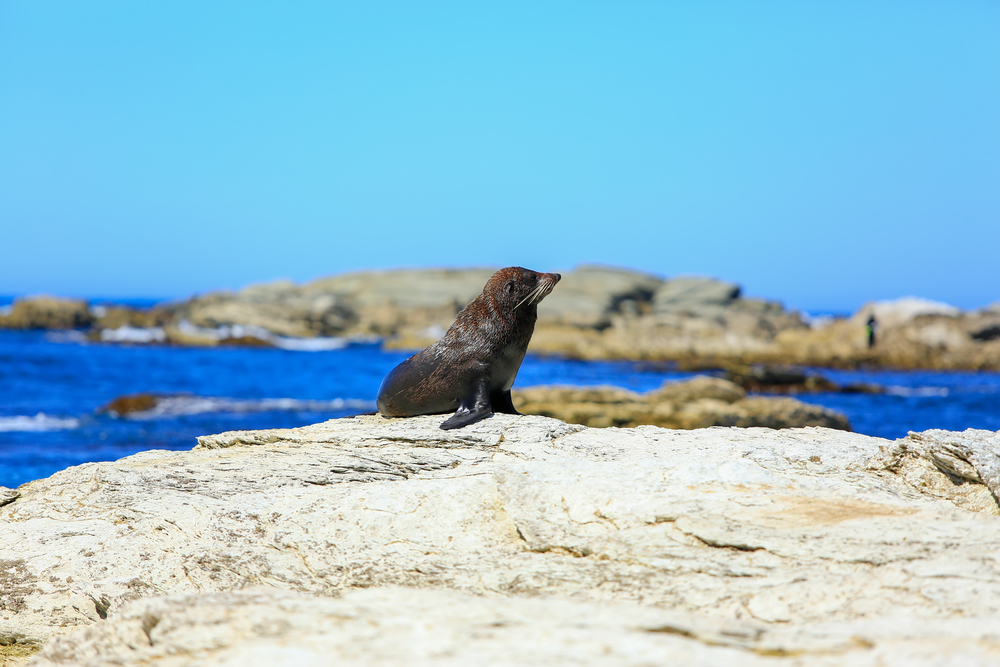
x=515, y=289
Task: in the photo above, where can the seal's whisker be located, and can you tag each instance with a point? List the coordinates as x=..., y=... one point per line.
x=521, y=301
x=530, y=294
x=536, y=293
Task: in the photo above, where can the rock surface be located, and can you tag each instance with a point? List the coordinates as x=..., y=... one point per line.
x=517, y=540
x=697, y=403
x=399, y=626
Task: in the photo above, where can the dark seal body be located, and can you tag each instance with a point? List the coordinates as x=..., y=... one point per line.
x=471, y=369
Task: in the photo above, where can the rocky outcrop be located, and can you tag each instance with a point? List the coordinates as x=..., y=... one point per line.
x=47, y=312
x=910, y=333
x=677, y=319
x=698, y=296
x=772, y=379
x=281, y=308
x=590, y=295
x=130, y=404
x=596, y=312
x=517, y=540
x=696, y=403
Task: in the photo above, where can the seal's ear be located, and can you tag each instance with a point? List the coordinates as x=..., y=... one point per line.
x=509, y=287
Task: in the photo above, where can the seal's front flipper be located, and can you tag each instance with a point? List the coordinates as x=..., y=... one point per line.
x=475, y=405
x=502, y=403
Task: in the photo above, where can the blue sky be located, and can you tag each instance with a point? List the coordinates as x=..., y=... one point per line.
x=820, y=153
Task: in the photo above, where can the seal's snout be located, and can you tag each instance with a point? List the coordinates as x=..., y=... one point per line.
x=546, y=282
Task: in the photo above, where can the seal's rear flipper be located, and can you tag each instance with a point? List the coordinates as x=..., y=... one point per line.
x=502, y=403
x=474, y=406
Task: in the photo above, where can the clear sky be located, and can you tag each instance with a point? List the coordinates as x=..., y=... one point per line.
x=820, y=153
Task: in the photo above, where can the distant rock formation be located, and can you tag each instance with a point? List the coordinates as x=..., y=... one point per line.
x=517, y=540
x=47, y=312
x=596, y=312
x=911, y=333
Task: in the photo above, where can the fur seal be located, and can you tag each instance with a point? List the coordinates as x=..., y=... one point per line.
x=472, y=368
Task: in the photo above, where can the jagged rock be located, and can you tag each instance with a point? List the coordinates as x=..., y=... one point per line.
x=695, y=295
x=282, y=309
x=697, y=403
x=130, y=403
x=971, y=456
x=798, y=545
x=8, y=496
x=781, y=380
x=47, y=312
x=411, y=306
x=590, y=295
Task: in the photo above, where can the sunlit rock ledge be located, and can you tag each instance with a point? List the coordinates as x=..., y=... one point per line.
x=518, y=540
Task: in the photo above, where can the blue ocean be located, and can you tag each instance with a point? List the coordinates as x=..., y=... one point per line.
x=52, y=385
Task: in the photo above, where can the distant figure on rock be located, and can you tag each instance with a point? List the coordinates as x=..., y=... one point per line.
x=872, y=325
x=471, y=369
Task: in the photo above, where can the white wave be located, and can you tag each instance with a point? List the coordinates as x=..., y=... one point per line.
x=189, y=329
x=129, y=334
x=175, y=406
x=223, y=332
x=40, y=422
x=69, y=336
x=244, y=331
x=309, y=344
x=226, y=331
x=916, y=391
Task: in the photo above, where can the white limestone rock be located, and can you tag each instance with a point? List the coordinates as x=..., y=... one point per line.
x=807, y=535
x=408, y=626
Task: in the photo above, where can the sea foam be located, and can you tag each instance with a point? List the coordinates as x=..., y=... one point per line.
x=40, y=422
x=174, y=406
x=224, y=332
x=128, y=334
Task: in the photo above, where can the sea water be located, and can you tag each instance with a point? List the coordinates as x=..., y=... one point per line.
x=53, y=384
